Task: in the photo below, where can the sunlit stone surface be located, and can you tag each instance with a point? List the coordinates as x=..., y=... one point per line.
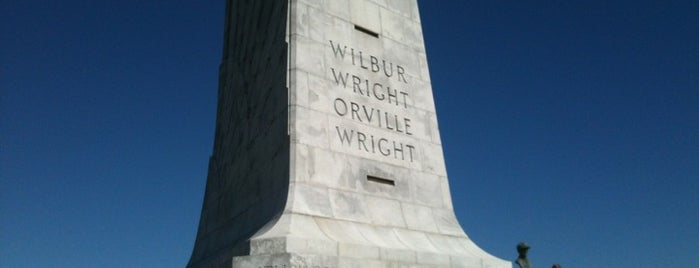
x=327, y=151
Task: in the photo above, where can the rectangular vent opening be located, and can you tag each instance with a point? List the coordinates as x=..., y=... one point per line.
x=380, y=180
x=366, y=31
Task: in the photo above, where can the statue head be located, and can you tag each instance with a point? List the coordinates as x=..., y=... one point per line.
x=556, y=266
x=522, y=248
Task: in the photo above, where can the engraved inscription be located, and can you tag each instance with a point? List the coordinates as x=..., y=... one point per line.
x=375, y=94
x=358, y=58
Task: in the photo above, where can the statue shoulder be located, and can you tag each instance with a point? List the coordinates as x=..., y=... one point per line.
x=523, y=263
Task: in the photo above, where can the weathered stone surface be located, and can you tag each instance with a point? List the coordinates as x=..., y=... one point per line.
x=327, y=150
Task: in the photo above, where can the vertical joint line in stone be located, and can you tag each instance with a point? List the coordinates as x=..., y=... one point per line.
x=288, y=66
x=366, y=31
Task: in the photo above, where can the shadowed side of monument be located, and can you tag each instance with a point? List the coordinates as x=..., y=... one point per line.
x=332, y=158
x=248, y=178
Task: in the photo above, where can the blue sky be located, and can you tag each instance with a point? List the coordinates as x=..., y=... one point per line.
x=572, y=125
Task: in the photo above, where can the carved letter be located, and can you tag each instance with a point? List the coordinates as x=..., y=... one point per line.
x=356, y=81
x=368, y=115
x=405, y=99
x=410, y=148
x=395, y=117
x=375, y=64
x=339, y=78
x=385, y=69
x=361, y=138
x=343, y=135
x=361, y=61
x=401, y=74
x=393, y=96
x=337, y=50
x=340, y=109
x=387, y=152
x=407, y=126
x=355, y=111
x=376, y=95
x=396, y=150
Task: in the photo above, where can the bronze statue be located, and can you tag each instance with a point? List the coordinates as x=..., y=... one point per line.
x=556, y=266
x=522, y=260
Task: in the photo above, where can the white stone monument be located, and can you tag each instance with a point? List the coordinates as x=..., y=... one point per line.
x=327, y=152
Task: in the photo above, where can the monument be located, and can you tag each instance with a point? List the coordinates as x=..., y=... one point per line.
x=327, y=152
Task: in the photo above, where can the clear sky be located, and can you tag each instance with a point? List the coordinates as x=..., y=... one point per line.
x=571, y=125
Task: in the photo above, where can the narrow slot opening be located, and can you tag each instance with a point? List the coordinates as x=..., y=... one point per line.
x=366, y=31
x=380, y=180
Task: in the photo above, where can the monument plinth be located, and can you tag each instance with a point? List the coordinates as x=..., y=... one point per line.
x=327, y=151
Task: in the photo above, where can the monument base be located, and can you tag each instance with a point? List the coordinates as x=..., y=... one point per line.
x=294, y=260
x=329, y=243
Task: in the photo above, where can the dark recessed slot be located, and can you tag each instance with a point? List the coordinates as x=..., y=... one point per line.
x=380, y=180
x=366, y=31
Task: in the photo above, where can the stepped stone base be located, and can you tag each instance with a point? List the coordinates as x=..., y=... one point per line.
x=294, y=260
x=328, y=243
